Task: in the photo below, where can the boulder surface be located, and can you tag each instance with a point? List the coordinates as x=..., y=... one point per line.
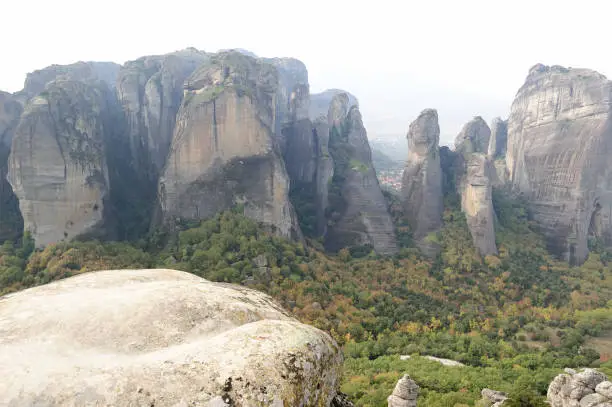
x=159, y=337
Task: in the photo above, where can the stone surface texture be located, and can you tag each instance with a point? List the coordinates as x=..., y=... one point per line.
x=365, y=218
x=405, y=393
x=559, y=144
x=159, y=337
x=477, y=202
x=57, y=165
x=422, y=193
x=587, y=388
x=224, y=150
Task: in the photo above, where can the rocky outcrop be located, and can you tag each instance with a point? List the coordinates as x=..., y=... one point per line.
x=36, y=81
x=474, y=137
x=159, y=337
x=292, y=79
x=57, y=166
x=499, y=138
x=422, y=179
x=493, y=398
x=224, y=150
x=559, y=144
x=405, y=393
x=477, y=202
x=321, y=102
x=325, y=172
x=358, y=213
x=150, y=90
x=588, y=388
x=300, y=145
x=11, y=222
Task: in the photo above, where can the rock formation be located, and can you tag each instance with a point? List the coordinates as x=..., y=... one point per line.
x=422, y=179
x=588, y=388
x=358, y=213
x=499, y=138
x=321, y=102
x=477, y=202
x=57, y=165
x=292, y=78
x=36, y=81
x=475, y=175
x=493, y=398
x=159, y=337
x=11, y=222
x=405, y=393
x=224, y=150
x=559, y=144
x=150, y=90
x=474, y=137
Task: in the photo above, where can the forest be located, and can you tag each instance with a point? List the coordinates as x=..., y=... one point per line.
x=514, y=320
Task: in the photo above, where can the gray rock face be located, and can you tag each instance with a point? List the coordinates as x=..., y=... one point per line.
x=159, y=337
x=11, y=222
x=405, y=393
x=474, y=137
x=320, y=103
x=359, y=213
x=422, y=179
x=499, y=138
x=150, y=90
x=588, y=388
x=559, y=144
x=493, y=398
x=477, y=202
x=80, y=71
x=224, y=150
x=300, y=147
x=325, y=172
x=57, y=165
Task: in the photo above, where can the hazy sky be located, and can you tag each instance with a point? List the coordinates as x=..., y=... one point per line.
x=464, y=58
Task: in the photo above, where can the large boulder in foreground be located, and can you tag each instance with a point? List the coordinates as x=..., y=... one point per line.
x=559, y=145
x=159, y=337
x=588, y=388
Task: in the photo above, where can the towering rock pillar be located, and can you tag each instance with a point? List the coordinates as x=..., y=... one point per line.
x=475, y=183
x=11, y=222
x=422, y=179
x=559, y=148
x=224, y=150
x=57, y=165
x=358, y=213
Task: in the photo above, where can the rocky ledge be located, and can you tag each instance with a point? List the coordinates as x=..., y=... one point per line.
x=159, y=337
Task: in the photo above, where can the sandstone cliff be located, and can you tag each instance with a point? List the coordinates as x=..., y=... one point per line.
x=588, y=388
x=499, y=138
x=163, y=338
x=321, y=102
x=224, y=150
x=80, y=71
x=150, y=90
x=474, y=137
x=57, y=164
x=11, y=222
x=292, y=76
x=477, y=202
x=475, y=177
x=559, y=144
x=358, y=213
x=422, y=193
